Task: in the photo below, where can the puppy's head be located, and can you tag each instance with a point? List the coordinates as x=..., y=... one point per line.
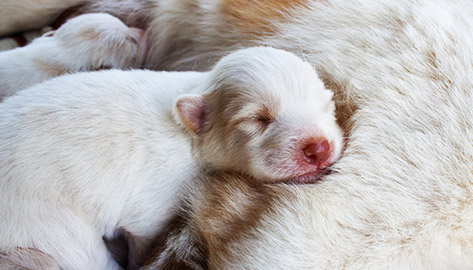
x=99, y=40
x=266, y=114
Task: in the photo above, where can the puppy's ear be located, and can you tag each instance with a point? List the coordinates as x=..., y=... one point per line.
x=191, y=111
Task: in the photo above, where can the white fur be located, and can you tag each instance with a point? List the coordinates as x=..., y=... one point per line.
x=268, y=112
x=401, y=71
x=400, y=197
x=83, y=43
x=82, y=156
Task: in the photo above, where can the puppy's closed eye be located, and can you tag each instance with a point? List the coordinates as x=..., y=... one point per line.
x=261, y=119
x=265, y=117
x=264, y=120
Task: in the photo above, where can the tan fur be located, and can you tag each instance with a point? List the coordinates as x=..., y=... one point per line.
x=51, y=69
x=256, y=16
x=27, y=259
x=89, y=34
x=230, y=206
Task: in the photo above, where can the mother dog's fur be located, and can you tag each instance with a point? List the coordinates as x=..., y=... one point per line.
x=402, y=72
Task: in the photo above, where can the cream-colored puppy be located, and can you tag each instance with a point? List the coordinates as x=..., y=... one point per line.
x=84, y=156
x=87, y=42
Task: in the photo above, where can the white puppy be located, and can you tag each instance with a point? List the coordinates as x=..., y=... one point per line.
x=83, y=156
x=87, y=42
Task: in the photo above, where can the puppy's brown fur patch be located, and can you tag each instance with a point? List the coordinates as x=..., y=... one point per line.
x=51, y=69
x=89, y=34
x=254, y=16
x=230, y=207
x=27, y=258
x=224, y=210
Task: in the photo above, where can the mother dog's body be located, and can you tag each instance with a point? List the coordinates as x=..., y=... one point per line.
x=402, y=72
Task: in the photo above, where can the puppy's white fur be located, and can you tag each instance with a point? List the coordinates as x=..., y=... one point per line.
x=83, y=43
x=84, y=155
x=261, y=115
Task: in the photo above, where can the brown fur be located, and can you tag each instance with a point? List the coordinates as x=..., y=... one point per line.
x=229, y=207
x=253, y=16
x=222, y=211
x=27, y=259
x=51, y=69
x=68, y=14
x=89, y=34
x=223, y=121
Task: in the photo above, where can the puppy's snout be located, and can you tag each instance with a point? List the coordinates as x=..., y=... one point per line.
x=317, y=153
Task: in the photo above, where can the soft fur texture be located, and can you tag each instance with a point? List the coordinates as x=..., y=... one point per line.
x=401, y=70
x=91, y=154
x=27, y=259
x=101, y=153
x=24, y=15
x=87, y=42
x=400, y=197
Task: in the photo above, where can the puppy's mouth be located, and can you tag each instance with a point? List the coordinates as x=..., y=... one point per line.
x=308, y=178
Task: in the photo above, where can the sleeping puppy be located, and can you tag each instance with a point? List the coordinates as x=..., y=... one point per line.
x=87, y=42
x=244, y=140
x=89, y=155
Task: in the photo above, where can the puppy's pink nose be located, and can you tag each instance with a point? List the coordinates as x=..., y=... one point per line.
x=317, y=153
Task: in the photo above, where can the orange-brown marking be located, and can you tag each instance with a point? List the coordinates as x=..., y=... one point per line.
x=51, y=69
x=255, y=16
x=27, y=258
x=231, y=207
x=89, y=34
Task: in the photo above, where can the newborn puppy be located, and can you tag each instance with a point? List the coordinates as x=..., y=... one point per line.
x=270, y=119
x=89, y=155
x=86, y=42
